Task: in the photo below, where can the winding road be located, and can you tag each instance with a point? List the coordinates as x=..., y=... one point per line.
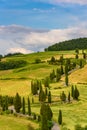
x=55, y=127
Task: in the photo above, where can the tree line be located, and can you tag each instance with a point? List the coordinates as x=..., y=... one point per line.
x=80, y=43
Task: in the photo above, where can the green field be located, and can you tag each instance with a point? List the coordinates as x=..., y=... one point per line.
x=18, y=80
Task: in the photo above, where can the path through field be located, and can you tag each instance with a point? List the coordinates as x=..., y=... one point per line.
x=55, y=127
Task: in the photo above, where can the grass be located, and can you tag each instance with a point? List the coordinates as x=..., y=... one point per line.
x=15, y=123
x=18, y=80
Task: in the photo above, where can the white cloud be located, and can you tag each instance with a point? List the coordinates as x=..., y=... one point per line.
x=21, y=50
x=14, y=38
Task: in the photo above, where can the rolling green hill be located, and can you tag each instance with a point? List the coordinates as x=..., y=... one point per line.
x=80, y=43
x=19, y=80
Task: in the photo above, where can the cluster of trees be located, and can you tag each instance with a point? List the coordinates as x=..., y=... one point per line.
x=80, y=43
x=12, y=64
x=74, y=94
x=6, y=101
x=37, y=89
x=13, y=54
x=55, y=75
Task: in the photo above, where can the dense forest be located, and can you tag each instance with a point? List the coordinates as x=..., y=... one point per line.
x=80, y=43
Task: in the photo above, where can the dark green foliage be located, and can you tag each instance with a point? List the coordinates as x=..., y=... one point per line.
x=52, y=75
x=62, y=72
x=76, y=93
x=66, y=79
x=72, y=91
x=63, y=96
x=49, y=97
x=39, y=118
x=66, y=68
x=13, y=54
x=81, y=63
x=46, y=82
x=77, y=50
x=44, y=119
x=80, y=43
x=34, y=87
x=42, y=96
x=76, y=56
x=46, y=116
x=69, y=97
x=60, y=117
x=49, y=112
x=38, y=61
x=12, y=64
x=58, y=75
x=52, y=59
x=34, y=116
x=84, y=55
x=6, y=102
x=17, y=103
x=61, y=59
x=23, y=106
x=29, y=107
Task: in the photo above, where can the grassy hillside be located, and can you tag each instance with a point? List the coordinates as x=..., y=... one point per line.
x=19, y=80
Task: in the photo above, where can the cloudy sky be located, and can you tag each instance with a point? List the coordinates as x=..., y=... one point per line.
x=32, y=25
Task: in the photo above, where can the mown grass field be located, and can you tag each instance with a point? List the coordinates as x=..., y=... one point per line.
x=18, y=80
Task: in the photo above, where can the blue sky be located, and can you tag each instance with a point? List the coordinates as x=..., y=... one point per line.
x=33, y=19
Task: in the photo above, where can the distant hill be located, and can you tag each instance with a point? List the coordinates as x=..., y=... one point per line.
x=80, y=43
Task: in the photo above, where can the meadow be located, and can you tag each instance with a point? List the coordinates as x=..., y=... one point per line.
x=19, y=80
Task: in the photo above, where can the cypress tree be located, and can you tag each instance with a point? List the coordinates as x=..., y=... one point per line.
x=76, y=56
x=66, y=79
x=62, y=72
x=29, y=107
x=81, y=64
x=23, y=106
x=69, y=96
x=63, y=97
x=46, y=82
x=42, y=96
x=49, y=113
x=58, y=75
x=49, y=97
x=60, y=117
x=72, y=91
x=44, y=120
x=76, y=95
x=17, y=103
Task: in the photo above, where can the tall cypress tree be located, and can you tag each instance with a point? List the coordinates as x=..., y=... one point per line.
x=17, y=102
x=69, y=97
x=44, y=119
x=23, y=106
x=76, y=95
x=29, y=107
x=72, y=91
x=49, y=113
x=66, y=79
x=49, y=97
x=60, y=117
